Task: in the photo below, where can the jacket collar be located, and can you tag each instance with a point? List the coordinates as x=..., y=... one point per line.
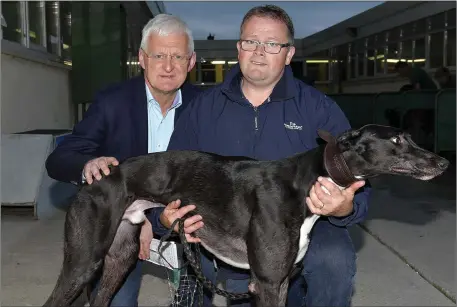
x=285, y=89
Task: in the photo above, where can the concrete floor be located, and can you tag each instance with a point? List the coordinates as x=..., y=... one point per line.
x=405, y=251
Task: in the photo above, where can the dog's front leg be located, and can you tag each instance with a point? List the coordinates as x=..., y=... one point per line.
x=121, y=258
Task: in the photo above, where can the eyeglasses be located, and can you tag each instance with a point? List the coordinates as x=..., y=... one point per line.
x=269, y=47
x=161, y=57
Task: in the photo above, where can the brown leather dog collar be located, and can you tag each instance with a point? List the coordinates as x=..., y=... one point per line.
x=334, y=162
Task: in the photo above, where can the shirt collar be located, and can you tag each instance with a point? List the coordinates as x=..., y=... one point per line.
x=176, y=102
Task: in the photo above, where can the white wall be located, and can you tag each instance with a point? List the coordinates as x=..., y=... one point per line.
x=34, y=95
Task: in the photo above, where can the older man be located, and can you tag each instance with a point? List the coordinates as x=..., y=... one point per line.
x=133, y=118
x=262, y=111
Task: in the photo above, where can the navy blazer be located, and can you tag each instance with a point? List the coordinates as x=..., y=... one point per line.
x=115, y=125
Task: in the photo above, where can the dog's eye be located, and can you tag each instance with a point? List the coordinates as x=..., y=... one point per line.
x=396, y=140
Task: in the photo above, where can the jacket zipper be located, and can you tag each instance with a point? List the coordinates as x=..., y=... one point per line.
x=256, y=126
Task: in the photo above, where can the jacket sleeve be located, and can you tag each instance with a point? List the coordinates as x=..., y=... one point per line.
x=67, y=161
x=331, y=118
x=184, y=137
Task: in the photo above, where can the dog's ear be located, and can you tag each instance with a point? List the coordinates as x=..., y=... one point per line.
x=346, y=139
x=326, y=136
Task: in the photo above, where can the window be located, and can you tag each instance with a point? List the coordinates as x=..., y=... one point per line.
x=317, y=70
x=342, y=57
x=419, y=52
x=52, y=19
x=393, y=50
x=436, y=49
x=409, y=30
x=65, y=29
x=451, y=18
x=352, y=61
x=450, y=48
x=407, y=51
x=12, y=17
x=35, y=22
x=317, y=67
x=421, y=26
x=208, y=76
x=370, y=56
x=360, y=57
x=437, y=22
x=380, y=42
x=208, y=72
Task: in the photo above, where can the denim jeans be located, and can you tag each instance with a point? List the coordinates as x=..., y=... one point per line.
x=327, y=277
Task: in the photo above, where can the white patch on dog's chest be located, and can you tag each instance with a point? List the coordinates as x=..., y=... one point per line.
x=306, y=228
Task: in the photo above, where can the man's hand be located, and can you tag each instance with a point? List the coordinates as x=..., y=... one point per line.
x=191, y=224
x=93, y=167
x=339, y=203
x=146, y=236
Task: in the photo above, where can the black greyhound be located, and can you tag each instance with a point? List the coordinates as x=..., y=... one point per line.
x=254, y=211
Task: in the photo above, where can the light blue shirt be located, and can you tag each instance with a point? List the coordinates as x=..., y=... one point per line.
x=160, y=127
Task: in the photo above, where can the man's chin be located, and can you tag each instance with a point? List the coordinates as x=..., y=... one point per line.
x=167, y=88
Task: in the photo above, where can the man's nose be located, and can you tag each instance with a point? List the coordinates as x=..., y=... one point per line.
x=168, y=64
x=260, y=50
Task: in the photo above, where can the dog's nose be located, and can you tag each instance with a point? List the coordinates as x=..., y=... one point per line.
x=443, y=164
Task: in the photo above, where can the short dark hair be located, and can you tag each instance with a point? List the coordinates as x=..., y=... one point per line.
x=273, y=12
x=400, y=64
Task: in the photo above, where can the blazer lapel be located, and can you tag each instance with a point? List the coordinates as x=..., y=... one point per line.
x=139, y=116
x=188, y=92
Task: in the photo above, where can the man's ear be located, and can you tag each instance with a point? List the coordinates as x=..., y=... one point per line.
x=141, y=58
x=238, y=47
x=193, y=59
x=290, y=54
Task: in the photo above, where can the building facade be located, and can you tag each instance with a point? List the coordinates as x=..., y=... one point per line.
x=358, y=54
x=56, y=54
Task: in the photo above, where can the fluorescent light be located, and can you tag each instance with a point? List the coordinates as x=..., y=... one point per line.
x=316, y=61
x=217, y=62
x=232, y=62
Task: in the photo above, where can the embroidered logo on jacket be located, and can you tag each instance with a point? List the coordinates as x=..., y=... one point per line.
x=292, y=126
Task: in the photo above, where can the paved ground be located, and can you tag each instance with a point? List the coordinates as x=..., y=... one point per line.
x=405, y=251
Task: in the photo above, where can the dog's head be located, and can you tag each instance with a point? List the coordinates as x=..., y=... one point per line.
x=374, y=150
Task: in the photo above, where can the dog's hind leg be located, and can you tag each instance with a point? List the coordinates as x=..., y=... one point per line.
x=79, y=268
x=80, y=263
x=121, y=258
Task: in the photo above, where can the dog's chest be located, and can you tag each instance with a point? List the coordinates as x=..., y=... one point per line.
x=303, y=242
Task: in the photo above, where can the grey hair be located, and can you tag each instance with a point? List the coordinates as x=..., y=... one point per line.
x=165, y=24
